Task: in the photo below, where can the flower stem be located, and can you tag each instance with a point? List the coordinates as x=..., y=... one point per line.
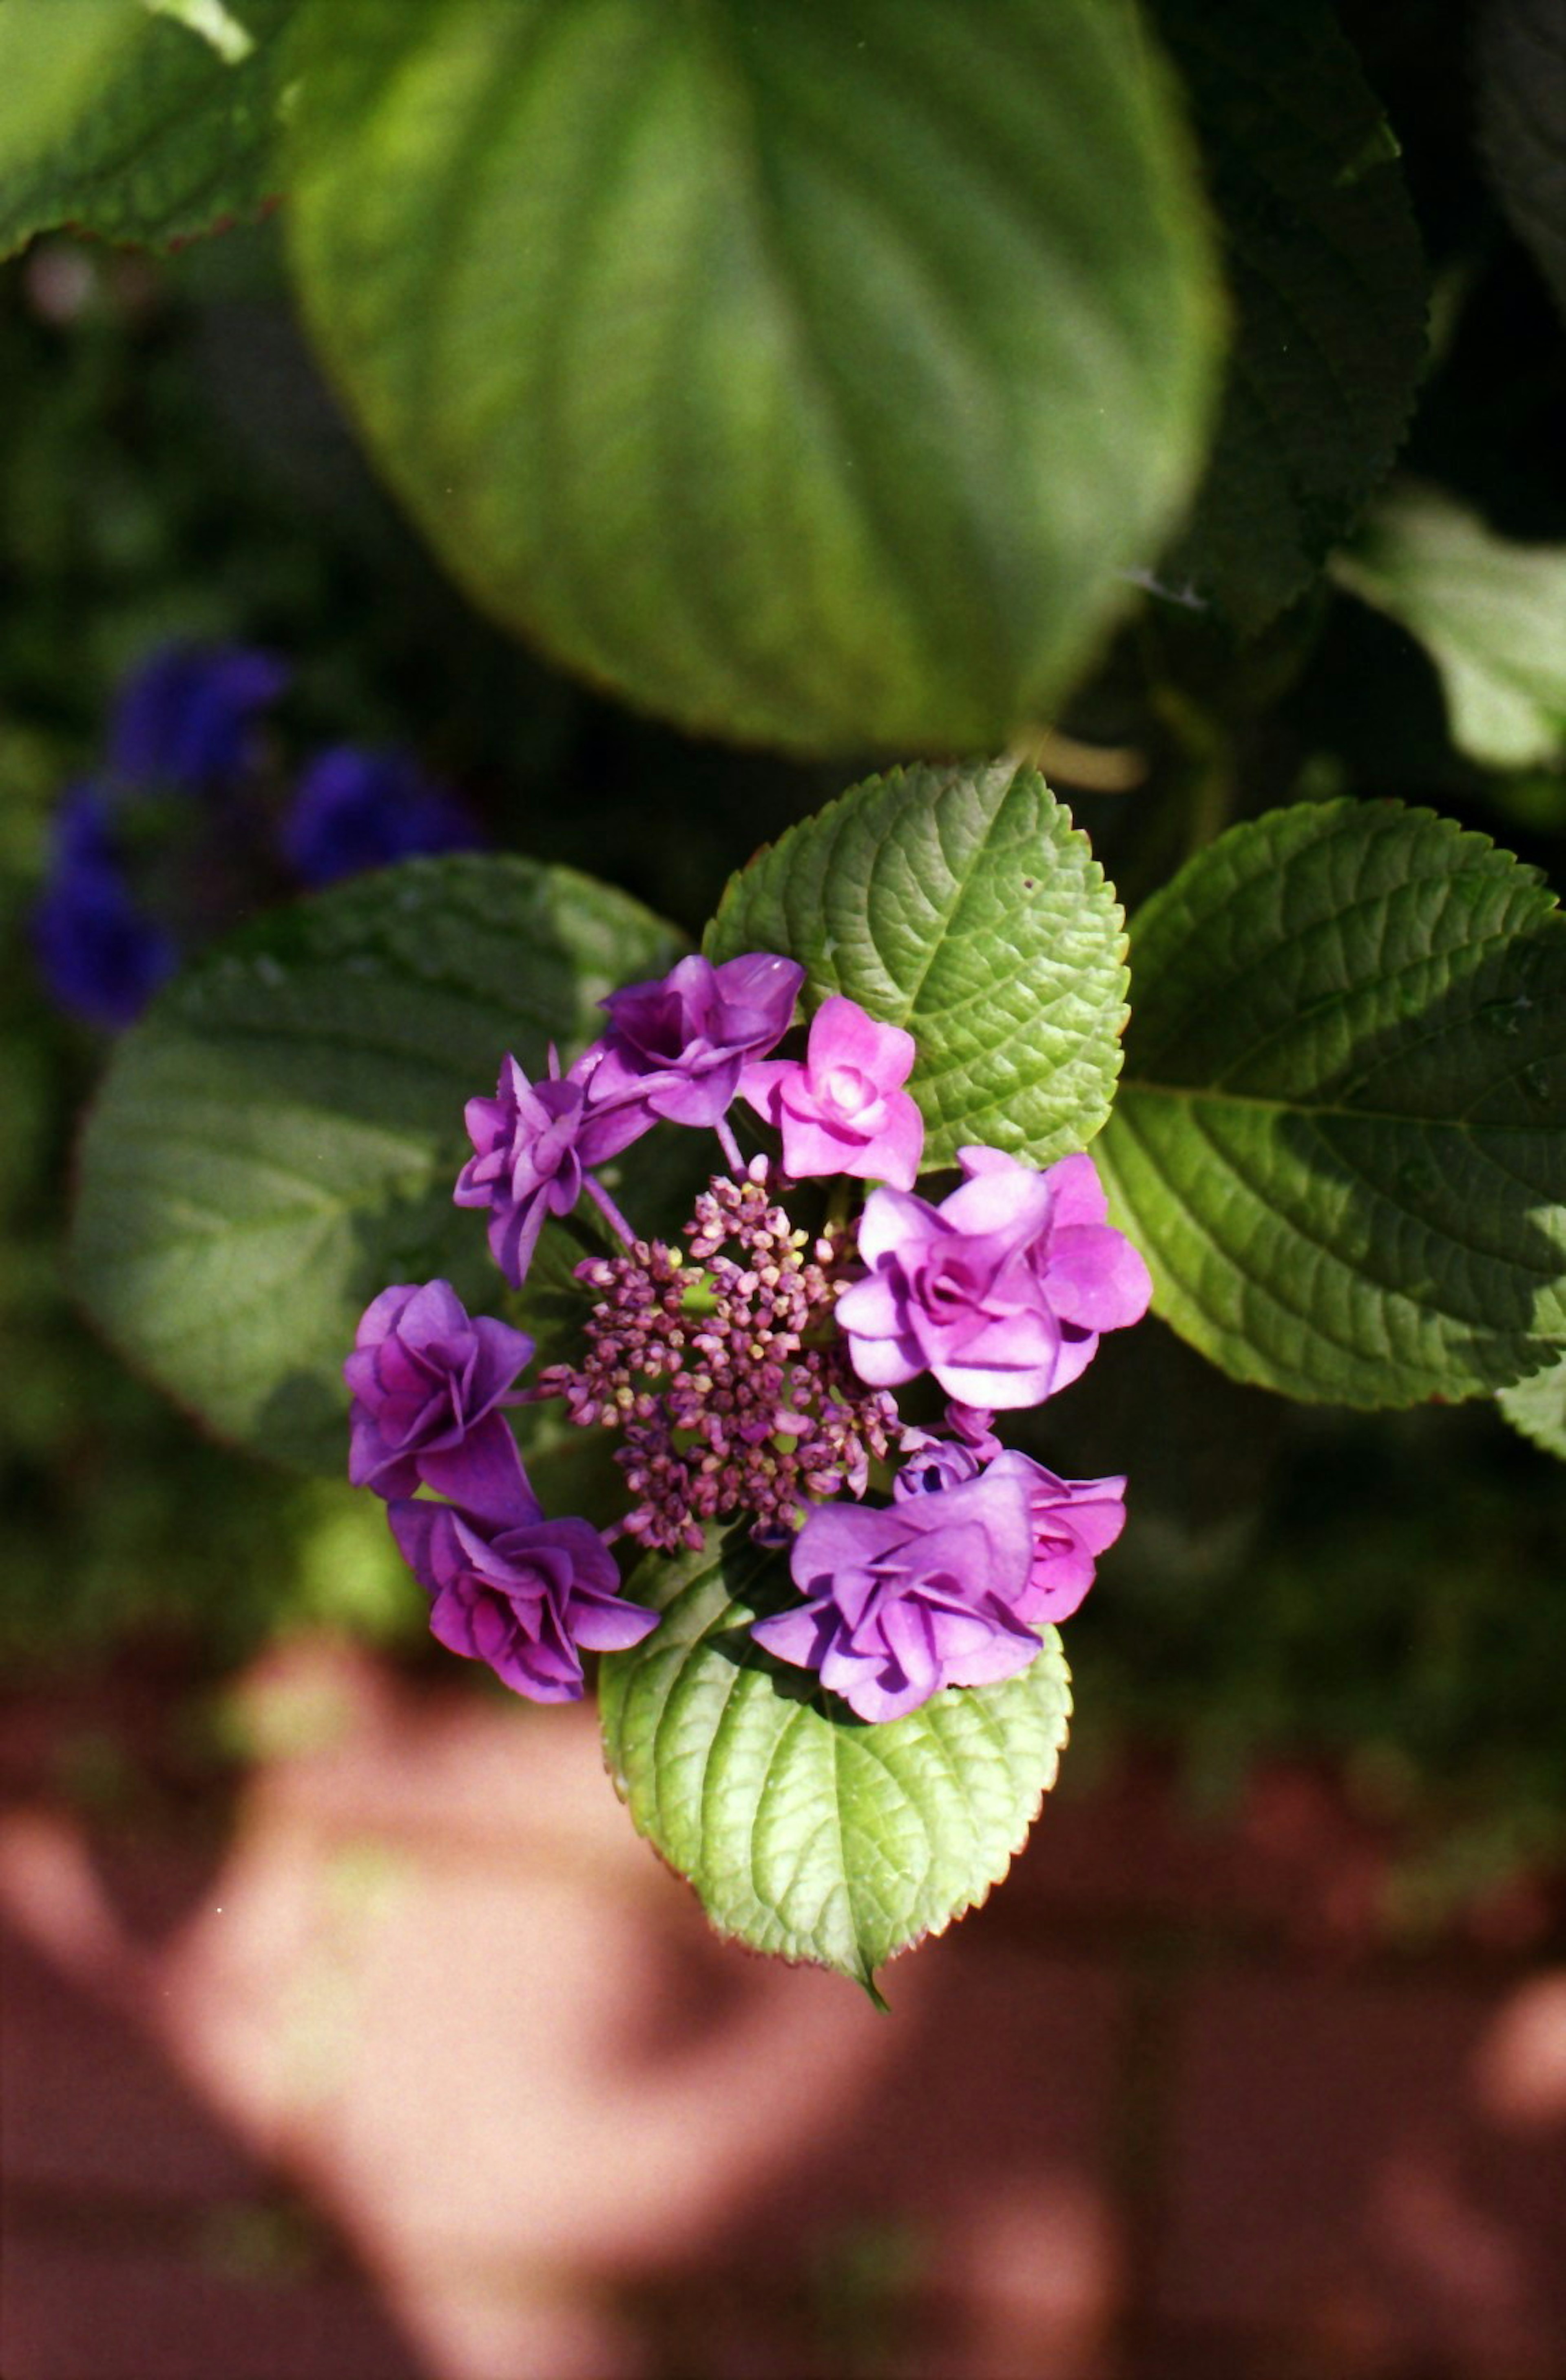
x=607, y=1208
x=730, y=1147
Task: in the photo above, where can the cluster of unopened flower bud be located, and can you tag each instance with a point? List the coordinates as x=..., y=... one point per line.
x=750, y=1373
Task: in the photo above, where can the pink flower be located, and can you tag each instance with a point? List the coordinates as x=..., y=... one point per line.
x=844, y=1111
x=1000, y=1292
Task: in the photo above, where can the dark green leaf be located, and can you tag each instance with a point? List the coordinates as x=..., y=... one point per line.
x=1340, y=1141
x=178, y=132
x=278, y=1139
x=805, y=1832
x=1328, y=289
x=963, y=905
x=1491, y=615
x=806, y=375
x=1521, y=60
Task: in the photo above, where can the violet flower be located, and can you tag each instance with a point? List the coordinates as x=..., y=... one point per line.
x=532, y=1143
x=902, y=1600
x=356, y=810
x=843, y=1110
x=184, y=717
x=428, y=1382
x=99, y=955
x=519, y=1593
x=1000, y=1292
x=1072, y=1521
x=676, y=1046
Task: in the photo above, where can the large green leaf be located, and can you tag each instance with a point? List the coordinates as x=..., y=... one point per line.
x=1521, y=60
x=1340, y=1141
x=277, y=1140
x=176, y=132
x=963, y=905
x=806, y=375
x=1328, y=287
x=805, y=1832
x=1491, y=615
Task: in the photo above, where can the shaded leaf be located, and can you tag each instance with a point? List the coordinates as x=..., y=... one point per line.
x=805, y=1832
x=1329, y=295
x=176, y=135
x=277, y=1140
x=962, y=904
x=1340, y=1142
x=1521, y=79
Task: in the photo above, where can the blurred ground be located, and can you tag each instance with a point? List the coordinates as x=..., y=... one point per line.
x=397, y=2054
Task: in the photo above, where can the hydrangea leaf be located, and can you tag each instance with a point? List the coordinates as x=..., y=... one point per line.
x=176, y=134
x=1537, y=1408
x=805, y=1832
x=1328, y=289
x=1490, y=613
x=52, y=62
x=278, y=1139
x=963, y=905
x=786, y=369
x=1340, y=1141
x=1521, y=55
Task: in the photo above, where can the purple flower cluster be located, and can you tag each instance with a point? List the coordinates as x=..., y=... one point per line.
x=749, y=1372
x=184, y=827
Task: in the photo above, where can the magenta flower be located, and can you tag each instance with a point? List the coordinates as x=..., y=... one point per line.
x=676, y=1048
x=427, y=1381
x=904, y=1599
x=1072, y=1521
x=844, y=1111
x=532, y=1145
x=1000, y=1292
x=521, y=1592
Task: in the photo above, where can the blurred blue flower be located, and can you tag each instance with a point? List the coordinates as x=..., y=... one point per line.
x=356, y=810
x=184, y=718
x=100, y=956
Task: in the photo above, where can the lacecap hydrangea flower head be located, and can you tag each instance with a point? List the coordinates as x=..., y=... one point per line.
x=748, y=1368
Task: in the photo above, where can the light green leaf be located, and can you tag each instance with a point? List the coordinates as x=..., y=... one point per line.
x=805, y=1832
x=175, y=133
x=1491, y=616
x=1340, y=1142
x=1521, y=55
x=808, y=376
x=1329, y=289
x=1537, y=1408
x=53, y=59
x=962, y=904
x=277, y=1140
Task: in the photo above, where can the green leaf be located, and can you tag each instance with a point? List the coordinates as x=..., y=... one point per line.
x=277, y=1140
x=962, y=904
x=806, y=375
x=1537, y=1408
x=805, y=1832
x=1328, y=289
x=1491, y=615
x=1520, y=54
x=1340, y=1142
x=175, y=133
x=52, y=61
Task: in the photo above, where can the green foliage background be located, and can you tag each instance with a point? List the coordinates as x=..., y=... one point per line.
x=1383, y=1588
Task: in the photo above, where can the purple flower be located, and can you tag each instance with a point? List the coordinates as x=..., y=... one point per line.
x=520, y=1592
x=428, y=1379
x=356, y=810
x=844, y=1111
x=1000, y=1292
x=1073, y=1519
x=184, y=718
x=902, y=1600
x=101, y=957
x=532, y=1143
x=677, y=1047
